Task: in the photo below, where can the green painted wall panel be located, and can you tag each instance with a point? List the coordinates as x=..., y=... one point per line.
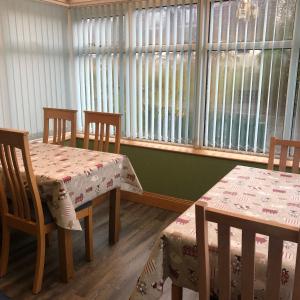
x=177, y=174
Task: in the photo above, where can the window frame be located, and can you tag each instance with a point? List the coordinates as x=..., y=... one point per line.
x=293, y=45
x=202, y=48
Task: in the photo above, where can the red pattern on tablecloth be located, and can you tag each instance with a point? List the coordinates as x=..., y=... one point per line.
x=69, y=177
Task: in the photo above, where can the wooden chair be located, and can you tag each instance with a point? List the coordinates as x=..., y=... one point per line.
x=24, y=210
x=103, y=123
x=285, y=146
x=60, y=118
x=277, y=233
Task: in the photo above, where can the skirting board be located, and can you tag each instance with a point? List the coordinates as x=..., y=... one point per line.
x=158, y=200
x=151, y=199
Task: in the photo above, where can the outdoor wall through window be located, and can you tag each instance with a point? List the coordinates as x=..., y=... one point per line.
x=145, y=60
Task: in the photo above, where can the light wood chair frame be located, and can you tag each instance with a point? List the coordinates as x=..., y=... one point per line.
x=20, y=218
x=102, y=136
x=285, y=145
x=250, y=226
x=101, y=143
x=60, y=118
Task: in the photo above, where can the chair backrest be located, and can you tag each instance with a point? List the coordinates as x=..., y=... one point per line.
x=277, y=233
x=19, y=182
x=285, y=147
x=103, y=123
x=60, y=118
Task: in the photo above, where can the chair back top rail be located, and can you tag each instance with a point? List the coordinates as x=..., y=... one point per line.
x=285, y=146
x=250, y=226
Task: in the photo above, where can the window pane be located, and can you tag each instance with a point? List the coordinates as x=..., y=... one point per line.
x=182, y=17
x=183, y=94
x=247, y=82
x=278, y=15
x=145, y=71
x=240, y=108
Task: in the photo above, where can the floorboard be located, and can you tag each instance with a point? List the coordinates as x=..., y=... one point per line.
x=113, y=272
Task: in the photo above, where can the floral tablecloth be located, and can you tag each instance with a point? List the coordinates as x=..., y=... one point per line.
x=69, y=177
x=269, y=195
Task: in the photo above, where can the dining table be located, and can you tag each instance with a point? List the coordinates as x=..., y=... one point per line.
x=69, y=178
x=264, y=194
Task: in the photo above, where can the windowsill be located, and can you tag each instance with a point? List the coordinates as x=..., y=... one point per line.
x=243, y=157
x=246, y=157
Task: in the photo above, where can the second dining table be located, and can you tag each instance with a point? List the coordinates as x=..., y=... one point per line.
x=70, y=177
x=260, y=193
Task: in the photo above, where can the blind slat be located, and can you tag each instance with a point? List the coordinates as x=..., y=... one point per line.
x=188, y=76
x=225, y=75
x=167, y=80
x=147, y=36
x=242, y=86
x=251, y=85
x=269, y=84
x=174, y=77
x=133, y=78
x=110, y=61
x=260, y=78
x=160, y=77
x=153, y=87
x=217, y=81
x=140, y=71
x=181, y=69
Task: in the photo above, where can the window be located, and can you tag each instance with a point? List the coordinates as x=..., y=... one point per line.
x=248, y=73
x=33, y=63
x=144, y=61
x=98, y=59
x=139, y=61
x=163, y=72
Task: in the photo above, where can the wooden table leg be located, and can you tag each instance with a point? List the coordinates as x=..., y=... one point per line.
x=114, y=216
x=176, y=292
x=65, y=253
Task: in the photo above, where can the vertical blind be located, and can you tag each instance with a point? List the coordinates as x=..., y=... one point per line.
x=138, y=58
x=33, y=62
x=141, y=58
x=214, y=73
x=249, y=56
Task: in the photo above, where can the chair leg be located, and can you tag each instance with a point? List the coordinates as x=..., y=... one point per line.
x=40, y=263
x=88, y=223
x=114, y=216
x=176, y=292
x=65, y=253
x=5, y=249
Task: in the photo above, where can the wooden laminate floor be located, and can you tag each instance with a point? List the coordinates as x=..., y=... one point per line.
x=112, y=274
